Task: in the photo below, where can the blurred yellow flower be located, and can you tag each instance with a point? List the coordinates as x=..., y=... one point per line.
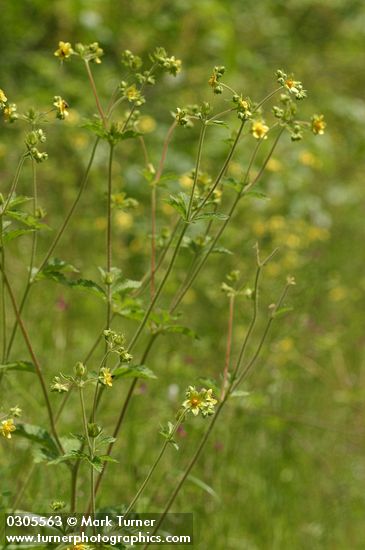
x=274, y=165
x=337, y=293
x=185, y=180
x=124, y=219
x=100, y=223
x=147, y=124
x=286, y=344
x=276, y=223
x=259, y=129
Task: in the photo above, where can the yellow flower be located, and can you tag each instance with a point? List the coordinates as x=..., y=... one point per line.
x=106, y=377
x=199, y=401
x=64, y=50
x=7, y=427
x=3, y=98
x=10, y=113
x=259, y=129
x=61, y=106
x=318, y=125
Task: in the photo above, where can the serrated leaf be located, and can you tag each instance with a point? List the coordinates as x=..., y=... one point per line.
x=107, y=458
x=134, y=371
x=256, y=195
x=38, y=435
x=179, y=329
x=240, y=393
x=24, y=366
x=27, y=219
x=86, y=284
x=15, y=233
x=221, y=250
x=181, y=204
x=211, y=216
x=125, y=286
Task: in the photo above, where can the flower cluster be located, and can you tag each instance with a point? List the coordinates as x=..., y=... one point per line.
x=133, y=62
x=199, y=401
x=169, y=64
x=10, y=112
x=213, y=81
x=32, y=139
x=243, y=107
x=88, y=52
x=60, y=384
x=132, y=93
x=61, y=107
x=116, y=343
x=294, y=87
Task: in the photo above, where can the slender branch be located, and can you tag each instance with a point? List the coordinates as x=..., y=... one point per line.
x=95, y=92
x=228, y=345
x=34, y=359
x=156, y=463
x=109, y=237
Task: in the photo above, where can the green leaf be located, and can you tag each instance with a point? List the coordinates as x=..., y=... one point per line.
x=202, y=485
x=15, y=233
x=256, y=195
x=107, y=458
x=281, y=312
x=27, y=219
x=179, y=329
x=134, y=371
x=240, y=393
x=86, y=284
x=125, y=286
x=38, y=435
x=181, y=204
x=221, y=250
x=211, y=216
x=24, y=366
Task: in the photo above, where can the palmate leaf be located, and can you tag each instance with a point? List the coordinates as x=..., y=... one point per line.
x=38, y=435
x=134, y=371
x=181, y=204
x=56, y=270
x=179, y=329
x=15, y=233
x=24, y=366
x=211, y=216
x=27, y=219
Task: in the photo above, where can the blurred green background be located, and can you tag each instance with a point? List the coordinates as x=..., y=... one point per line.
x=286, y=466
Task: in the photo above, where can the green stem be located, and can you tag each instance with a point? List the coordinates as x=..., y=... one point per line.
x=155, y=464
x=109, y=236
x=95, y=92
x=159, y=290
x=187, y=470
x=124, y=411
x=35, y=361
x=55, y=241
x=222, y=171
x=197, y=166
